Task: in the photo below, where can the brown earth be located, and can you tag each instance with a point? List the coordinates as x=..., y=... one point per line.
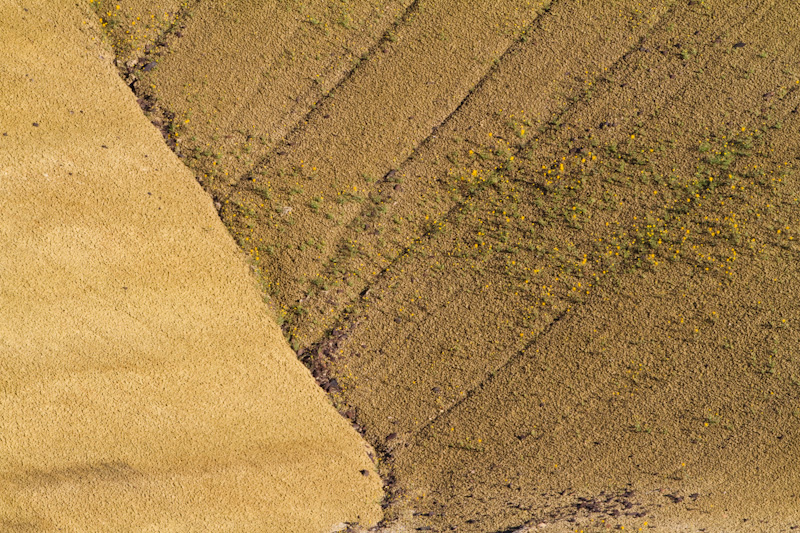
x=544, y=254
x=144, y=385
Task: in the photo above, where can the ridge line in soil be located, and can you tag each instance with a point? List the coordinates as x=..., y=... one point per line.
x=450, y=213
x=412, y=8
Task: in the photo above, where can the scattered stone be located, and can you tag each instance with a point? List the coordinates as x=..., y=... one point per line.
x=333, y=386
x=674, y=498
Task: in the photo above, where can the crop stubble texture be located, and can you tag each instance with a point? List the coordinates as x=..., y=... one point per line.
x=144, y=386
x=563, y=255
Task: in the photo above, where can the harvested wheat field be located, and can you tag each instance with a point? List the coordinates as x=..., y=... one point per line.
x=542, y=255
x=144, y=385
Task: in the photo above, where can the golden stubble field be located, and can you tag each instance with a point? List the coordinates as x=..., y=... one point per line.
x=143, y=384
x=542, y=254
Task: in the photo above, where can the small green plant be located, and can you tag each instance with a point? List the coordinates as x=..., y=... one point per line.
x=263, y=193
x=468, y=446
x=345, y=20
x=722, y=159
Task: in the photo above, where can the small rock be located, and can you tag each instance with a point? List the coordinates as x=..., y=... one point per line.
x=35, y=124
x=150, y=66
x=740, y=44
x=365, y=473
x=674, y=498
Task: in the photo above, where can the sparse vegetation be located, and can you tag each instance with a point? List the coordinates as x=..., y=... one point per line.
x=583, y=194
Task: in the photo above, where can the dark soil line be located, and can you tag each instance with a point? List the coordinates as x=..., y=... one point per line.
x=180, y=19
x=161, y=117
x=604, y=83
x=455, y=208
x=299, y=124
x=413, y=8
x=385, y=180
x=493, y=374
x=512, y=48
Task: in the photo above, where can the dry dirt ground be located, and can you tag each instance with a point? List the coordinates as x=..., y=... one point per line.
x=544, y=255
x=143, y=384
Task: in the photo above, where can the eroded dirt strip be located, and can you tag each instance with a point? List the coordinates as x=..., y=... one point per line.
x=314, y=182
x=134, y=27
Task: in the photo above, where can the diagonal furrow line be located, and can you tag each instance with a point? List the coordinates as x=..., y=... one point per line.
x=448, y=216
x=521, y=352
x=518, y=354
x=603, y=83
x=412, y=9
x=183, y=14
x=512, y=48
